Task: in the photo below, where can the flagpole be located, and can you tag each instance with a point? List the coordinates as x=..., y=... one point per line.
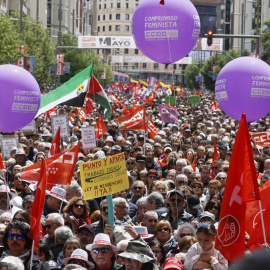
x=31, y=259
x=263, y=228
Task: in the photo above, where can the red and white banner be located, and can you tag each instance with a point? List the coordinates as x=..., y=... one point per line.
x=71, y=118
x=81, y=113
x=56, y=144
x=261, y=139
x=134, y=120
x=116, y=101
x=100, y=127
x=125, y=110
x=215, y=106
x=150, y=99
x=50, y=113
x=151, y=128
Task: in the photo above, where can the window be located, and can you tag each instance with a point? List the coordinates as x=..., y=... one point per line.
x=103, y=28
x=126, y=28
x=136, y=51
x=117, y=16
x=111, y=5
x=105, y=6
x=144, y=65
x=118, y=5
x=117, y=28
x=136, y=65
x=127, y=17
x=99, y=6
x=126, y=51
x=98, y=29
x=98, y=18
x=110, y=28
x=97, y=51
x=110, y=16
x=127, y=5
x=104, y=17
x=155, y=65
x=174, y=66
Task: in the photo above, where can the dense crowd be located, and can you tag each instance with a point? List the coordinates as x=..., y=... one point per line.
x=166, y=219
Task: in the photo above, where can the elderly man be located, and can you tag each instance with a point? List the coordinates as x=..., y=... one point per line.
x=5, y=200
x=102, y=252
x=180, y=164
x=155, y=203
x=177, y=215
x=140, y=162
x=18, y=244
x=86, y=235
x=188, y=170
x=138, y=191
x=121, y=209
x=181, y=180
x=150, y=221
x=53, y=221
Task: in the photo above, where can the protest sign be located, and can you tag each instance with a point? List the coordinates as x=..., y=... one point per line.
x=61, y=121
x=104, y=176
x=171, y=100
x=193, y=100
x=7, y=143
x=88, y=137
x=261, y=139
x=30, y=128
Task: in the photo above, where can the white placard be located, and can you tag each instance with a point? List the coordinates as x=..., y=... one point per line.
x=61, y=121
x=30, y=128
x=88, y=137
x=7, y=143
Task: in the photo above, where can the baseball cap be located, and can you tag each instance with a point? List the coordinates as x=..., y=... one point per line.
x=140, y=158
x=193, y=202
x=175, y=191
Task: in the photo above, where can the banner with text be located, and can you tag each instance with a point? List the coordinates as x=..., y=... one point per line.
x=104, y=176
x=88, y=137
x=261, y=139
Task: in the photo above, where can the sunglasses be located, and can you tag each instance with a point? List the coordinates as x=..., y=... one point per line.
x=18, y=236
x=78, y=205
x=178, y=200
x=85, y=234
x=49, y=226
x=215, y=168
x=130, y=163
x=3, y=196
x=152, y=176
x=140, y=188
x=184, y=234
x=182, y=182
x=78, y=262
x=213, y=207
x=103, y=250
x=163, y=229
x=197, y=186
x=221, y=178
x=141, y=139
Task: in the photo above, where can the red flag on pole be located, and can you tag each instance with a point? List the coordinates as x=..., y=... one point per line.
x=1, y=163
x=134, y=120
x=100, y=127
x=71, y=118
x=194, y=163
x=215, y=158
x=135, y=106
x=151, y=128
x=116, y=101
x=50, y=113
x=89, y=106
x=150, y=99
x=56, y=144
x=38, y=204
x=241, y=187
x=81, y=113
x=125, y=110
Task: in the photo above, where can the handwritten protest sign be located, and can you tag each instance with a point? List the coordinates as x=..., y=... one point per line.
x=30, y=128
x=88, y=137
x=7, y=143
x=61, y=121
x=104, y=176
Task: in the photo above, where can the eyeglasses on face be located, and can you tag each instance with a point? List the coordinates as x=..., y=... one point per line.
x=152, y=176
x=3, y=196
x=182, y=182
x=78, y=262
x=197, y=186
x=130, y=163
x=122, y=206
x=85, y=234
x=79, y=205
x=139, y=188
x=213, y=207
x=215, y=168
x=49, y=225
x=221, y=178
x=19, y=236
x=103, y=250
x=166, y=229
x=178, y=200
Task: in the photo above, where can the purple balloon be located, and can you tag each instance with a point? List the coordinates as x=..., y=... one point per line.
x=19, y=98
x=166, y=33
x=243, y=86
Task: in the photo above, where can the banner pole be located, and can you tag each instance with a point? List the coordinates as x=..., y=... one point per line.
x=263, y=228
x=31, y=259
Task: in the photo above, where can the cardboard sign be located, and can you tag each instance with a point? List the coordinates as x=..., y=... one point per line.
x=193, y=100
x=88, y=137
x=103, y=177
x=61, y=121
x=7, y=143
x=171, y=100
x=30, y=128
x=261, y=139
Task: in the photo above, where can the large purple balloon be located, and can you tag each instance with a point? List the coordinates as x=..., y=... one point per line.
x=166, y=33
x=19, y=98
x=243, y=86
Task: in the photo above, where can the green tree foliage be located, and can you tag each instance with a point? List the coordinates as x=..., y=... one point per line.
x=191, y=71
x=265, y=39
x=81, y=58
x=34, y=36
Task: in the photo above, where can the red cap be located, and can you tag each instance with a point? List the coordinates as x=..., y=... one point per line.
x=173, y=263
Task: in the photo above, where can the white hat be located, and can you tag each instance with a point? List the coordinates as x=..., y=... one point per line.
x=5, y=189
x=101, y=239
x=46, y=133
x=143, y=232
x=58, y=193
x=19, y=151
x=79, y=254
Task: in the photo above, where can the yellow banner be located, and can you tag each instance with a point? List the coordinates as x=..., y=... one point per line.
x=104, y=176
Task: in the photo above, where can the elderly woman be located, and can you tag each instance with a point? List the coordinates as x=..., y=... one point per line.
x=143, y=208
x=161, y=187
x=78, y=210
x=164, y=234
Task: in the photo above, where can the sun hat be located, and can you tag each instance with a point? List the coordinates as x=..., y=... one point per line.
x=58, y=193
x=19, y=151
x=5, y=189
x=79, y=254
x=101, y=239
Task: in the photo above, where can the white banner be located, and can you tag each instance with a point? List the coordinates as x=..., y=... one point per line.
x=106, y=42
x=88, y=137
x=61, y=121
x=7, y=143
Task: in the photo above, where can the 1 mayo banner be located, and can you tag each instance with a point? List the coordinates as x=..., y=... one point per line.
x=104, y=176
x=261, y=139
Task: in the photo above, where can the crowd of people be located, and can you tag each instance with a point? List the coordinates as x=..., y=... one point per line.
x=166, y=219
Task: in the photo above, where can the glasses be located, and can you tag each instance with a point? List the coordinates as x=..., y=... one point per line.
x=103, y=250
x=178, y=200
x=184, y=234
x=49, y=225
x=215, y=168
x=18, y=236
x=140, y=188
x=85, y=234
x=197, y=186
x=121, y=206
x=130, y=163
x=163, y=229
x=104, y=209
x=152, y=176
x=78, y=262
x=17, y=177
x=213, y=207
x=78, y=205
x=3, y=196
x=182, y=182
x=221, y=178
x=19, y=219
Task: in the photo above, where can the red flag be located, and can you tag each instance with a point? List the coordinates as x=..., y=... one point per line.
x=38, y=204
x=112, y=108
x=194, y=163
x=1, y=163
x=151, y=128
x=100, y=127
x=71, y=118
x=81, y=113
x=115, y=100
x=125, y=110
x=135, y=106
x=134, y=120
x=60, y=168
x=261, y=139
x=50, y=113
x=56, y=144
x=215, y=157
x=150, y=99
x=89, y=105
x=171, y=106
x=241, y=187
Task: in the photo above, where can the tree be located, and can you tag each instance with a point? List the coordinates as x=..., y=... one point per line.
x=81, y=58
x=191, y=71
x=265, y=39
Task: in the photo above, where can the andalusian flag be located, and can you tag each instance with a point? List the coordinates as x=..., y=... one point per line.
x=70, y=93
